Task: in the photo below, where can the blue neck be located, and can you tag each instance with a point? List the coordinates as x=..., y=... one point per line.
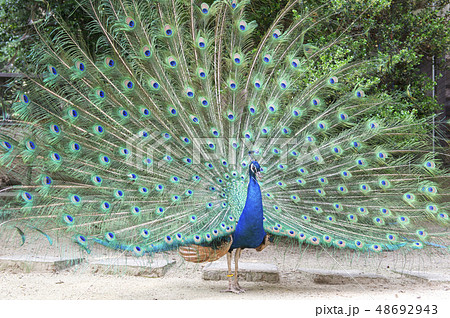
x=254, y=197
x=249, y=230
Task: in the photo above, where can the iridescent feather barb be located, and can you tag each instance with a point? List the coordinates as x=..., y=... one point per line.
x=143, y=143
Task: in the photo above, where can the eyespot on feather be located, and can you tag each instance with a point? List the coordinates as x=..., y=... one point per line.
x=146, y=52
x=267, y=58
x=204, y=8
x=128, y=84
x=189, y=92
x=24, y=99
x=80, y=66
x=276, y=34
x=201, y=43
x=109, y=62
x=52, y=70
x=168, y=31
x=130, y=23
x=172, y=62
x=237, y=58
x=242, y=26
x=295, y=63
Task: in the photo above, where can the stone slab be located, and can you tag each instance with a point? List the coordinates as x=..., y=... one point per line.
x=338, y=277
x=128, y=266
x=28, y=263
x=250, y=272
x=134, y=267
x=428, y=276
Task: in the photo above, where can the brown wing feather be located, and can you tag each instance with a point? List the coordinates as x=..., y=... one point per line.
x=199, y=254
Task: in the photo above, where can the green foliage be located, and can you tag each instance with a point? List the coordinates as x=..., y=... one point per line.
x=400, y=34
x=13, y=30
x=17, y=18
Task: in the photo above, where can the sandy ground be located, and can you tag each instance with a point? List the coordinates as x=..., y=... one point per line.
x=182, y=292
x=183, y=280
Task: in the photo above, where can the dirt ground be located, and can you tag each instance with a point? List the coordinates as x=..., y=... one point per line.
x=183, y=280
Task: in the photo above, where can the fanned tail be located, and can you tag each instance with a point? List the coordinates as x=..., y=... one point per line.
x=141, y=144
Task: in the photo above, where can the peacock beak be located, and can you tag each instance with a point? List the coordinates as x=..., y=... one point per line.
x=259, y=175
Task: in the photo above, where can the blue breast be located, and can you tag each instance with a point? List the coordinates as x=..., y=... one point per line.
x=249, y=231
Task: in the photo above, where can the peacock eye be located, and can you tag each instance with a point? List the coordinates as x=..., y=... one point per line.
x=205, y=8
x=130, y=22
x=110, y=62
x=243, y=26
x=168, y=30
x=146, y=51
x=201, y=42
x=24, y=98
x=80, y=66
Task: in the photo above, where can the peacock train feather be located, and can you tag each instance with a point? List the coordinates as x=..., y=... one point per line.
x=143, y=146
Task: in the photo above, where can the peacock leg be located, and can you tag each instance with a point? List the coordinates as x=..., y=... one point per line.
x=229, y=274
x=233, y=285
x=236, y=286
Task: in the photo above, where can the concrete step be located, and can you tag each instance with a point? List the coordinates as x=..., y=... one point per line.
x=428, y=276
x=338, y=277
x=126, y=266
x=131, y=266
x=250, y=272
x=28, y=263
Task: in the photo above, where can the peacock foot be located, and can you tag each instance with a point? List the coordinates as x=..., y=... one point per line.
x=234, y=288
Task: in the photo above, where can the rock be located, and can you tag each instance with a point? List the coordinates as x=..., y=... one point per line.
x=28, y=263
x=131, y=266
x=338, y=277
x=127, y=266
x=250, y=272
x=428, y=276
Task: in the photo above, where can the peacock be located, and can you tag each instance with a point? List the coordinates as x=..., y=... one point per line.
x=180, y=132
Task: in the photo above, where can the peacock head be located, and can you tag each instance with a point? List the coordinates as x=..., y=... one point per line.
x=255, y=170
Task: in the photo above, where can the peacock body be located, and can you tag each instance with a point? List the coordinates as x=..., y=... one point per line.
x=249, y=232
x=144, y=145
